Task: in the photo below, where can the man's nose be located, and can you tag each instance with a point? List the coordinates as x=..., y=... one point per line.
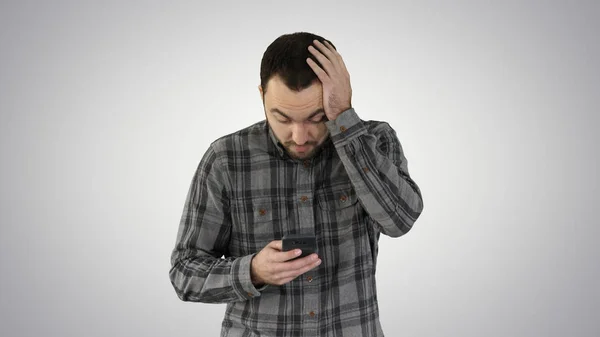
x=300, y=134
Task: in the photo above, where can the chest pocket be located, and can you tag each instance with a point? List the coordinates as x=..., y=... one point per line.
x=337, y=200
x=338, y=208
x=258, y=220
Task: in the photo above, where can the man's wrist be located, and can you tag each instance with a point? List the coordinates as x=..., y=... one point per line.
x=336, y=115
x=254, y=278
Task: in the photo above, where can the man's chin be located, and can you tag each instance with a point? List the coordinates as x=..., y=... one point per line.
x=309, y=153
x=301, y=155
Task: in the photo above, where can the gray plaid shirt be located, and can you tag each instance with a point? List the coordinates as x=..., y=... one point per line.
x=247, y=192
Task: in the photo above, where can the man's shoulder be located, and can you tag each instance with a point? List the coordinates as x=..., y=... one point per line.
x=250, y=137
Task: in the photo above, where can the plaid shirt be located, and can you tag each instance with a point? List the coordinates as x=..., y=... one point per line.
x=247, y=192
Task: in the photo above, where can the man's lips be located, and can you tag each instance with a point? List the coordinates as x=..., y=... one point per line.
x=302, y=148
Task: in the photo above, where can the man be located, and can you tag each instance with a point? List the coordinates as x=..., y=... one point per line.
x=312, y=167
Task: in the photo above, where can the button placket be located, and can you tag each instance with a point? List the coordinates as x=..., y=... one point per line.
x=305, y=198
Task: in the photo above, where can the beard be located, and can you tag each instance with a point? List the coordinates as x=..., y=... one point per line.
x=289, y=147
x=315, y=147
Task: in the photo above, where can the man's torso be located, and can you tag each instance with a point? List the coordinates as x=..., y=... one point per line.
x=273, y=195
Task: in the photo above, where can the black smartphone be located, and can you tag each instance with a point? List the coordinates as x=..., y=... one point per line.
x=307, y=243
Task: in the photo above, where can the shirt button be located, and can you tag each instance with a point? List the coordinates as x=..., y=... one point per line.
x=262, y=211
x=343, y=128
x=343, y=198
x=311, y=314
x=309, y=279
x=307, y=163
x=250, y=294
x=304, y=198
x=366, y=169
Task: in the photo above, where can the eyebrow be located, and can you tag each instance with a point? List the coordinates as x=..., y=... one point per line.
x=316, y=112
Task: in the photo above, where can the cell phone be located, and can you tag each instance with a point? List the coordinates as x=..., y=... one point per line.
x=307, y=243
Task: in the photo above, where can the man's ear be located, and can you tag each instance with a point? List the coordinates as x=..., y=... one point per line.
x=260, y=91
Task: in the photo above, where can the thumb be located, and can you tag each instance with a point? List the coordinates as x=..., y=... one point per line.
x=276, y=244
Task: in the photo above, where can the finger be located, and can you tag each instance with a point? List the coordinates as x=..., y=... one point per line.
x=327, y=50
x=343, y=64
x=321, y=74
x=334, y=55
x=326, y=63
x=287, y=266
x=297, y=272
x=333, y=51
x=276, y=244
x=286, y=255
x=337, y=55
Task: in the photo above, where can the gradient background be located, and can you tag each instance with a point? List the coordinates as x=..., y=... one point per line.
x=107, y=108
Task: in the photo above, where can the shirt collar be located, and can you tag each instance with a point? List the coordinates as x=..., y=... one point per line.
x=280, y=149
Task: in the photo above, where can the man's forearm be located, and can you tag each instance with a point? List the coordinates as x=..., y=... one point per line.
x=381, y=180
x=207, y=279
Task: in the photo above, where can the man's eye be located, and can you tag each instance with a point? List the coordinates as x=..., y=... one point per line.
x=318, y=119
x=285, y=121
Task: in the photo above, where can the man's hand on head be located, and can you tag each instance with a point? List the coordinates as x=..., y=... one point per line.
x=337, y=92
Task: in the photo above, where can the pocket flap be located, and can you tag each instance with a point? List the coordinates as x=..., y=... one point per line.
x=259, y=209
x=337, y=199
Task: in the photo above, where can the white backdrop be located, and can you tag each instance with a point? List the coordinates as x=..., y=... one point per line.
x=107, y=108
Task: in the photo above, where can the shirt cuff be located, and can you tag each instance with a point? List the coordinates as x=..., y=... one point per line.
x=346, y=124
x=242, y=282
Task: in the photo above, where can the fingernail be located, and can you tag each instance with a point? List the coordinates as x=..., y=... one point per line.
x=298, y=252
x=318, y=262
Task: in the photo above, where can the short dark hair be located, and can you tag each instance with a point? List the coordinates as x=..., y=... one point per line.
x=286, y=57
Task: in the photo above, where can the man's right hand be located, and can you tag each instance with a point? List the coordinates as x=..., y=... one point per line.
x=272, y=266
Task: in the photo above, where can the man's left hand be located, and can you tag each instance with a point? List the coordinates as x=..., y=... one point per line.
x=337, y=92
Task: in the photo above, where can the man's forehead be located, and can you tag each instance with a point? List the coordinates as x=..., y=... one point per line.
x=288, y=101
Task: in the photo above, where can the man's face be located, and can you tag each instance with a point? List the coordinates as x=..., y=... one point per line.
x=296, y=118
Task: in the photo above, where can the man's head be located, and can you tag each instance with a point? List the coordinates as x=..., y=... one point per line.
x=293, y=95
